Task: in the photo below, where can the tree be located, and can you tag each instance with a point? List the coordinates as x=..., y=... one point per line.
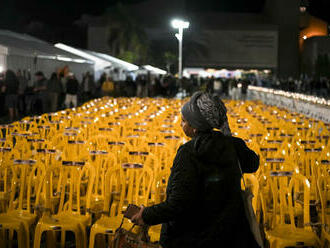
x=126, y=38
x=169, y=59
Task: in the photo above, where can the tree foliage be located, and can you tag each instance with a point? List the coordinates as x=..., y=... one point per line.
x=126, y=38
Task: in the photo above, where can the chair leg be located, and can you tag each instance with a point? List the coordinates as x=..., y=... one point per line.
x=3, y=238
x=27, y=233
x=21, y=238
x=84, y=235
x=62, y=238
x=51, y=239
x=37, y=236
x=110, y=239
x=92, y=238
x=78, y=238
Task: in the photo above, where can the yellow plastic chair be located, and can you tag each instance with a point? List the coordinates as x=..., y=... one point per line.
x=26, y=183
x=6, y=176
x=323, y=185
x=279, y=192
x=70, y=216
x=111, y=214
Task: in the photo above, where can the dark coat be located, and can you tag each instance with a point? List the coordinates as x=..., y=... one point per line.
x=204, y=205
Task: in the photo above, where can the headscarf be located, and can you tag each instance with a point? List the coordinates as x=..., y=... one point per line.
x=205, y=112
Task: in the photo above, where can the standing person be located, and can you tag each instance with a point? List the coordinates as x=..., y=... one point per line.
x=99, y=83
x=72, y=87
x=204, y=206
x=217, y=86
x=54, y=87
x=2, y=94
x=87, y=87
x=21, y=92
x=141, y=82
x=244, y=88
x=41, y=91
x=29, y=93
x=10, y=88
x=108, y=87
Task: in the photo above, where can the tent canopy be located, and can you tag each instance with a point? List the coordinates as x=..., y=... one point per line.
x=26, y=45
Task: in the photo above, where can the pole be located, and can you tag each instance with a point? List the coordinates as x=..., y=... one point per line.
x=180, y=51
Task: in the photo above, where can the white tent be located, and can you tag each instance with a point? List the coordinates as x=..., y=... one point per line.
x=100, y=64
x=120, y=68
x=22, y=51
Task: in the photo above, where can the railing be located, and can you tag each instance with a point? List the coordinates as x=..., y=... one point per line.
x=312, y=106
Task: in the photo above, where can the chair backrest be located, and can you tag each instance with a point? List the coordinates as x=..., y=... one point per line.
x=115, y=189
x=28, y=178
x=76, y=183
x=282, y=197
x=139, y=185
x=323, y=186
x=161, y=180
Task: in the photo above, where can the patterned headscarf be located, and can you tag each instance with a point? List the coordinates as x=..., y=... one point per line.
x=205, y=112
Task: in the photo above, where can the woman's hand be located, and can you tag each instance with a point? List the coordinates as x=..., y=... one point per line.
x=137, y=218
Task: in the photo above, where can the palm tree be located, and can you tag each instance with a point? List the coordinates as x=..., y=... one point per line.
x=126, y=38
x=169, y=58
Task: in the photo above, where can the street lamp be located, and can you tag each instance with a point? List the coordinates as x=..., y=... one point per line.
x=179, y=24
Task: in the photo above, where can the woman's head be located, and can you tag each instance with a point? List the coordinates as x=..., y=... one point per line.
x=203, y=112
x=10, y=75
x=53, y=76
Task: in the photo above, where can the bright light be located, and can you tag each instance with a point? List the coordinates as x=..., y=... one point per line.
x=64, y=59
x=111, y=59
x=1, y=69
x=180, y=24
x=304, y=37
x=154, y=69
x=82, y=54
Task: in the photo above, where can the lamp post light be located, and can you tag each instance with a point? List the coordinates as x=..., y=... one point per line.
x=179, y=24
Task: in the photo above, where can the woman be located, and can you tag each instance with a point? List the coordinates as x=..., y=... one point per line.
x=10, y=88
x=204, y=207
x=54, y=87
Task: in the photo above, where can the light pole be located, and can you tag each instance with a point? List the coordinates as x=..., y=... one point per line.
x=179, y=24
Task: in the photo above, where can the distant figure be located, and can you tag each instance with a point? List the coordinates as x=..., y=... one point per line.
x=21, y=91
x=141, y=82
x=108, y=87
x=244, y=88
x=29, y=95
x=72, y=87
x=87, y=87
x=10, y=88
x=54, y=87
x=99, y=84
x=2, y=95
x=41, y=90
x=217, y=87
x=234, y=91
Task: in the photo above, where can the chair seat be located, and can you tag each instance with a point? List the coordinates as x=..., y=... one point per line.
x=294, y=235
x=110, y=224
x=71, y=216
x=23, y=215
x=57, y=224
x=154, y=233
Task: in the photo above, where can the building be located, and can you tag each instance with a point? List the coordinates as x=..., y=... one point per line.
x=269, y=39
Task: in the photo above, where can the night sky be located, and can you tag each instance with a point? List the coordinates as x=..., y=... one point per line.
x=54, y=20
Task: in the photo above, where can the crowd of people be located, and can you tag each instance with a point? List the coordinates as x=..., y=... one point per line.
x=21, y=94
x=317, y=86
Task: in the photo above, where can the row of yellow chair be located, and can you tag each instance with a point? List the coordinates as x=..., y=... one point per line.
x=93, y=160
